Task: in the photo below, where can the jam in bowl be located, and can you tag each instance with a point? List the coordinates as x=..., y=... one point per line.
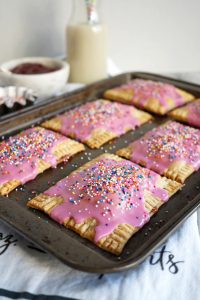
x=32, y=68
x=45, y=76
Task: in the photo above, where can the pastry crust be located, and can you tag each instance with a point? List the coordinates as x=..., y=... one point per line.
x=178, y=169
x=7, y=187
x=187, y=96
x=98, y=126
x=119, y=95
x=53, y=124
x=116, y=240
x=67, y=149
x=189, y=113
x=62, y=151
x=143, y=116
x=126, y=94
x=125, y=152
x=99, y=137
x=179, y=114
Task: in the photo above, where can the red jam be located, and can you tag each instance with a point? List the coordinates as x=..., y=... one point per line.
x=32, y=68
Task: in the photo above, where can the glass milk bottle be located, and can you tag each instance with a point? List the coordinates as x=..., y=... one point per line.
x=86, y=43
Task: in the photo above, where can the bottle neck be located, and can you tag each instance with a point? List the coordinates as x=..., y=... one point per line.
x=85, y=11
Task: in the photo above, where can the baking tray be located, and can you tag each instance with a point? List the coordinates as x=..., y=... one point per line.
x=65, y=244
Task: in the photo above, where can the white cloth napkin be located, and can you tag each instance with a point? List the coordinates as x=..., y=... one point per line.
x=172, y=272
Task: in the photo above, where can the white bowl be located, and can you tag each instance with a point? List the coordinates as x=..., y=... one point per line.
x=46, y=84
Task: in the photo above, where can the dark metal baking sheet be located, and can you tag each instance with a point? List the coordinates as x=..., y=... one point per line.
x=65, y=244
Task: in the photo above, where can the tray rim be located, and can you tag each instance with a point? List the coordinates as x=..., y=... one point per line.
x=121, y=266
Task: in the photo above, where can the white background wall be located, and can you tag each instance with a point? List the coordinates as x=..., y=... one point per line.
x=154, y=35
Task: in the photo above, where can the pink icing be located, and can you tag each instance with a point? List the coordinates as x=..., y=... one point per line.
x=19, y=154
x=112, y=117
x=162, y=146
x=109, y=191
x=194, y=113
x=147, y=89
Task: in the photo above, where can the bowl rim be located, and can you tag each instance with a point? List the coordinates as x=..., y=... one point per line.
x=5, y=66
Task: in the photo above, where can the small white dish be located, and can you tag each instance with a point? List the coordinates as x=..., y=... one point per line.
x=46, y=84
